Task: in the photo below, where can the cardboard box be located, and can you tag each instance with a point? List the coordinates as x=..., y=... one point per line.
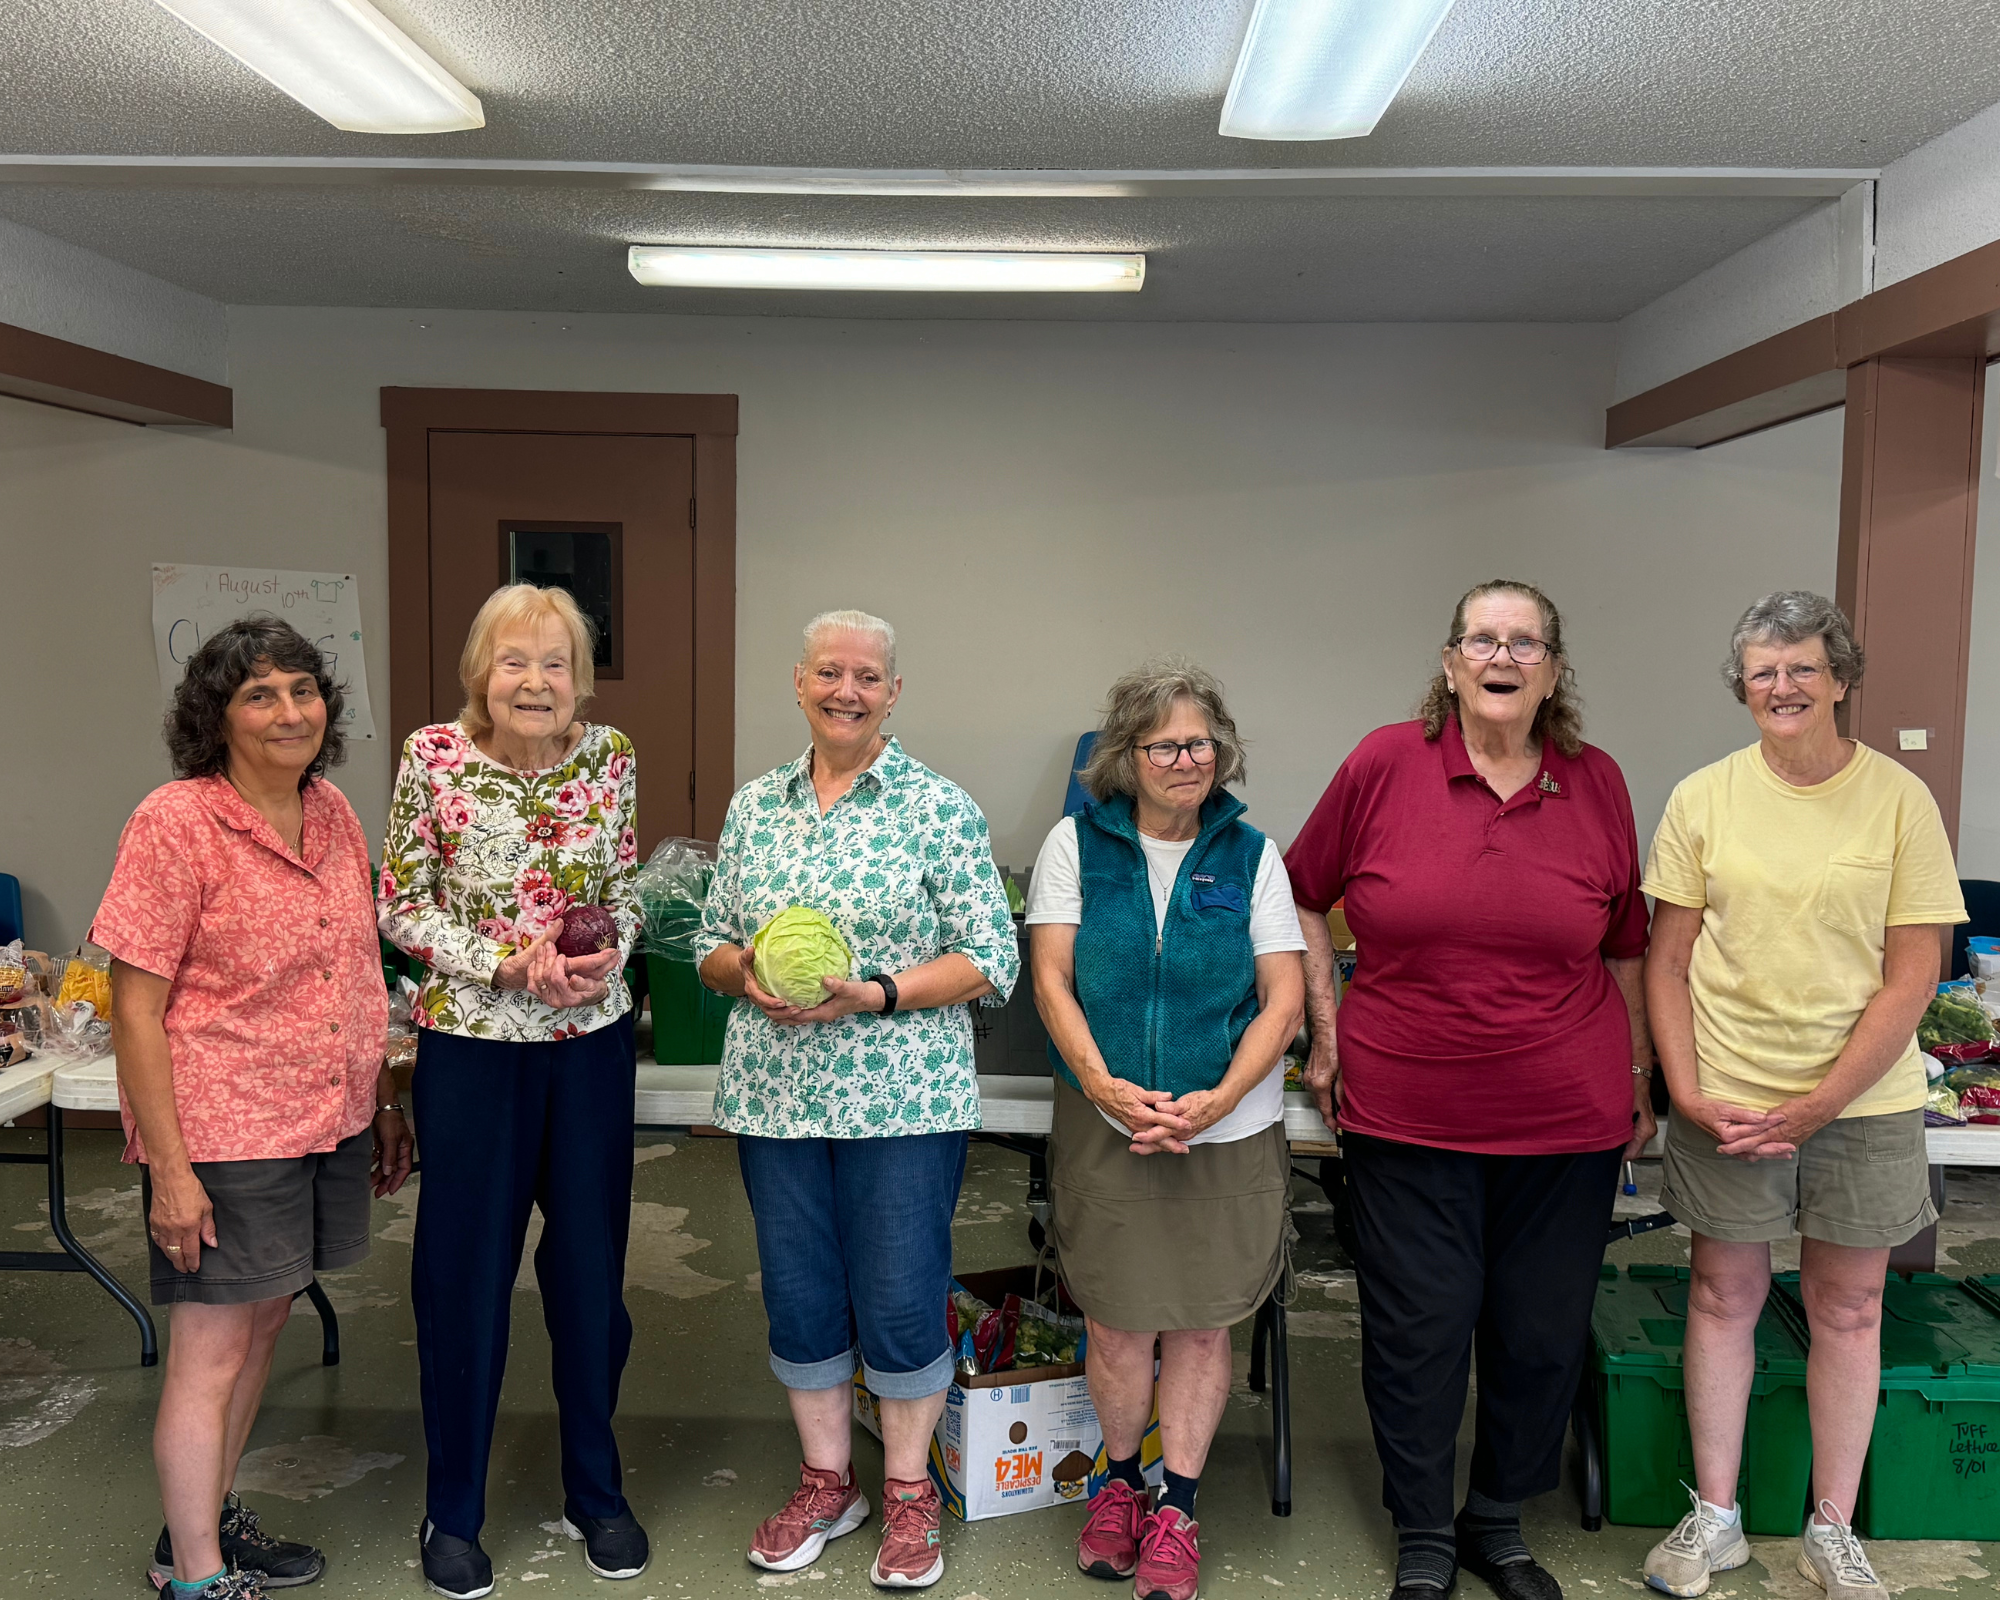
x=1015, y=1441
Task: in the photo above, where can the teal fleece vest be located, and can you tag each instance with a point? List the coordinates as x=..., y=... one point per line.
x=1166, y=1007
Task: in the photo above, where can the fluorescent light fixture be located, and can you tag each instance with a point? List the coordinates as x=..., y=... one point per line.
x=726, y=267
x=340, y=59
x=1325, y=69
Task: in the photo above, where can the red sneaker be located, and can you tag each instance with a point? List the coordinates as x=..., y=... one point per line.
x=910, y=1557
x=1169, y=1557
x=1108, y=1547
x=821, y=1508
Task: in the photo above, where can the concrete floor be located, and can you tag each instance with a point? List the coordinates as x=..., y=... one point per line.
x=337, y=1457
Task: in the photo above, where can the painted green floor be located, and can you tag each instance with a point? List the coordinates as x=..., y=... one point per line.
x=337, y=1455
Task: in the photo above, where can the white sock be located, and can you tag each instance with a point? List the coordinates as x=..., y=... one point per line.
x=1721, y=1518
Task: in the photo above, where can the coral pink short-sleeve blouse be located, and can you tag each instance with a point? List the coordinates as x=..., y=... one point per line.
x=278, y=1018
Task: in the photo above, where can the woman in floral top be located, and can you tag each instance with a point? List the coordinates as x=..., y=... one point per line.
x=851, y=1115
x=503, y=823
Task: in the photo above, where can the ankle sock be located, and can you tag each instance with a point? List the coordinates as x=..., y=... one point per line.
x=1426, y=1558
x=1127, y=1472
x=1721, y=1518
x=1493, y=1529
x=198, y=1585
x=1178, y=1492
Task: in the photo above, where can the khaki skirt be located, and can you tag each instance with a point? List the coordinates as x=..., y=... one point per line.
x=1165, y=1242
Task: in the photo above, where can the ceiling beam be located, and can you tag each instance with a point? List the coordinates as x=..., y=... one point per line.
x=1803, y=183
x=55, y=372
x=1953, y=309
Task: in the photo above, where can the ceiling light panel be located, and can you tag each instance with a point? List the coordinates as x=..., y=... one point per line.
x=1325, y=69
x=725, y=267
x=340, y=59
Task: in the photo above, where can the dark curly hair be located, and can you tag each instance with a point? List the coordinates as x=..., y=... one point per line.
x=197, y=727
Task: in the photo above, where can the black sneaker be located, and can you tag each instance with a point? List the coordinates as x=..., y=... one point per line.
x=613, y=1548
x=453, y=1567
x=279, y=1563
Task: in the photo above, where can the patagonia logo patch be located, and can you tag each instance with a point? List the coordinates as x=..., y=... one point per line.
x=1201, y=877
x=1220, y=897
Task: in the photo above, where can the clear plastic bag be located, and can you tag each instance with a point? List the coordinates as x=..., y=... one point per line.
x=87, y=977
x=76, y=1032
x=13, y=973
x=673, y=890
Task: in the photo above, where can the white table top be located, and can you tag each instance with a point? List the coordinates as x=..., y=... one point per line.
x=685, y=1096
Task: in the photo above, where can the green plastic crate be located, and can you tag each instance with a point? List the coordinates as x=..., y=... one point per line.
x=1637, y=1328
x=1933, y=1467
x=688, y=1018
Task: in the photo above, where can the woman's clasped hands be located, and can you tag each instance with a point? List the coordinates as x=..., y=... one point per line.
x=1159, y=1121
x=554, y=978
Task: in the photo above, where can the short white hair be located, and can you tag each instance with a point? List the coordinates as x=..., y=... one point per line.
x=850, y=622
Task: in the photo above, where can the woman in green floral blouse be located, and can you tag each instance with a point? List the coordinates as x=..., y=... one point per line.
x=851, y=1115
x=501, y=823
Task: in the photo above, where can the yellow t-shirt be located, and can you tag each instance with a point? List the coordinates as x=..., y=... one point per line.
x=1796, y=888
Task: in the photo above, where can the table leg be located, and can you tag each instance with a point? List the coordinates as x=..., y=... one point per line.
x=329, y=1324
x=149, y=1348
x=1281, y=1412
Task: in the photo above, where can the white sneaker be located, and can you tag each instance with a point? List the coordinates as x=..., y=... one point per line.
x=1832, y=1557
x=1684, y=1561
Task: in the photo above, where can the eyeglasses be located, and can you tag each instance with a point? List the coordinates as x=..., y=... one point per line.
x=1803, y=676
x=1526, y=652
x=1200, y=751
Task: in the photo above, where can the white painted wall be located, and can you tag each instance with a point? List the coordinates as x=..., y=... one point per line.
x=1035, y=506
x=51, y=287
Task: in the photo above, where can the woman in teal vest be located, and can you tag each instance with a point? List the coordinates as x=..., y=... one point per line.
x=1167, y=968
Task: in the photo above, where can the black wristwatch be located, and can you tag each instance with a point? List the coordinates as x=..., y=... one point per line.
x=888, y=991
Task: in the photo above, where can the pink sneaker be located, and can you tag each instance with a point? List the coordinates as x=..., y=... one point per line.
x=821, y=1508
x=910, y=1557
x=1108, y=1547
x=1169, y=1557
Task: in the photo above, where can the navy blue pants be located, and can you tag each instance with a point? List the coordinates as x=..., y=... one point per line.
x=502, y=1127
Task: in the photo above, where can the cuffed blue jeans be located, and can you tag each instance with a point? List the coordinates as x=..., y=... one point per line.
x=854, y=1239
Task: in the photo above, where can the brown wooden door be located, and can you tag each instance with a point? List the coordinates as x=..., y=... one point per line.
x=631, y=493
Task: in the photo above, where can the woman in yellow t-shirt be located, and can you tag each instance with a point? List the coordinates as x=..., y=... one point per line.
x=1802, y=889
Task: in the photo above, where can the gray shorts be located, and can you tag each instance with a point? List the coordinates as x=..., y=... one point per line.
x=1863, y=1182
x=277, y=1223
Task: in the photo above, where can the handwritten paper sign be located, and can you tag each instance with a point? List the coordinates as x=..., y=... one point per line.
x=192, y=603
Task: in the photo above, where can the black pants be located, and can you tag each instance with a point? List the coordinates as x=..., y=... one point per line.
x=1458, y=1253
x=503, y=1127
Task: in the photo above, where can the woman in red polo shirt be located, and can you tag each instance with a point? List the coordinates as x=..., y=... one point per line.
x=1489, y=1070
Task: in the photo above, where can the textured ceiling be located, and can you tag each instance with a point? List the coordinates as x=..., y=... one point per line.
x=991, y=83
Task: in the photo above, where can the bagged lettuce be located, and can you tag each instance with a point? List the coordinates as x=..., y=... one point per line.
x=797, y=948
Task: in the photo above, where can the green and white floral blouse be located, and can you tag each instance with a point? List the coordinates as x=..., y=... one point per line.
x=902, y=865
x=480, y=857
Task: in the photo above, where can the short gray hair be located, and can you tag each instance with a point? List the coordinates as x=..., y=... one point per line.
x=850, y=622
x=1140, y=702
x=1792, y=616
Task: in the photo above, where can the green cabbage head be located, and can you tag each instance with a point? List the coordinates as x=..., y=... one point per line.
x=797, y=948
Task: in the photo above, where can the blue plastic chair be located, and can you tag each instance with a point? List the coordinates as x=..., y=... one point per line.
x=11, y=927
x=1077, y=797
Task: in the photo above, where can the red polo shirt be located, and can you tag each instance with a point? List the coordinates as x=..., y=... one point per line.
x=1481, y=1016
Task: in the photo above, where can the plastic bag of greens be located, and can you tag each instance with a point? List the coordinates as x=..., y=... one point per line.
x=673, y=889
x=1046, y=1338
x=1941, y=1108
x=1953, y=1025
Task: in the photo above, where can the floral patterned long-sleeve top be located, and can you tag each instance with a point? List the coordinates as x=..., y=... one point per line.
x=480, y=857
x=902, y=866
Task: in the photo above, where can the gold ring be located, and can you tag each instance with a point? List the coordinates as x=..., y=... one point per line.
x=176, y=1249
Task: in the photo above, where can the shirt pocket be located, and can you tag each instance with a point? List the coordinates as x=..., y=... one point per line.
x=1854, y=895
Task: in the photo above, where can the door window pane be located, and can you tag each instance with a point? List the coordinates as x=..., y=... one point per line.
x=585, y=559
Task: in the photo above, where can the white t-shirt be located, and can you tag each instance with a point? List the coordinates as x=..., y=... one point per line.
x=1055, y=894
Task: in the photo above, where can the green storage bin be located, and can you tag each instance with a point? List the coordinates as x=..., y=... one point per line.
x=1933, y=1467
x=1637, y=1328
x=688, y=1018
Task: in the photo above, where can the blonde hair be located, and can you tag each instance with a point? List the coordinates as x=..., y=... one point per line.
x=522, y=605
x=850, y=622
x=1559, y=719
x=1138, y=703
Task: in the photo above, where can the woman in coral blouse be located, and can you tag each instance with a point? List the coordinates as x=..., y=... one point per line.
x=250, y=1020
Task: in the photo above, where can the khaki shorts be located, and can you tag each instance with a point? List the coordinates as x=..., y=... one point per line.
x=1863, y=1182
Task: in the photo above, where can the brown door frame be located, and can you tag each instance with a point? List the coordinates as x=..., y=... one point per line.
x=411, y=415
